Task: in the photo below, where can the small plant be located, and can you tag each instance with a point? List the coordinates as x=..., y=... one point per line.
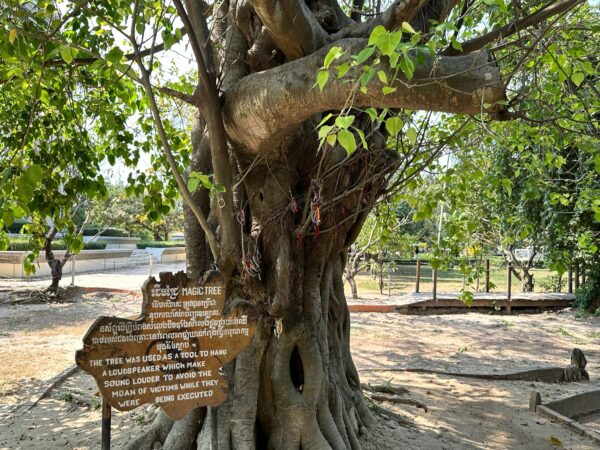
x=96, y=403
x=554, y=283
x=463, y=349
x=66, y=397
x=565, y=332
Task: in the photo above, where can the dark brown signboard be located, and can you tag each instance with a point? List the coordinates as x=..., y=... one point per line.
x=171, y=354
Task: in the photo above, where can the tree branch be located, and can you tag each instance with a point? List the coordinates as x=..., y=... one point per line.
x=264, y=108
x=398, y=12
x=292, y=26
x=209, y=104
x=514, y=27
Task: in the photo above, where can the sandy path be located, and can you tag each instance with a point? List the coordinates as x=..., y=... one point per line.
x=39, y=341
x=467, y=413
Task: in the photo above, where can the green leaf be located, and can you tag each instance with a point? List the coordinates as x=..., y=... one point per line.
x=361, y=134
x=322, y=77
x=382, y=76
x=388, y=42
x=364, y=54
x=12, y=35
x=408, y=28
x=456, y=45
x=393, y=125
x=347, y=140
x=378, y=31
x=33, y=175
x=407, y=67
x=507, y=184
x=373, y=115
x=331, y=139
x=324, y=119
x=467, y=298
x=366, y=77
x=192, y=184
x=577, y=78
x=388, y=90
x=324, y=131
x=219, y=188
x=114, y=55
x=343, y=69
x=333, y=54
x=344, y=122
x=411, y=134
x=76, y=245
x=67, y=53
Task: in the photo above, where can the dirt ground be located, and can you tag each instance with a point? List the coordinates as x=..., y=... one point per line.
x=38, y=341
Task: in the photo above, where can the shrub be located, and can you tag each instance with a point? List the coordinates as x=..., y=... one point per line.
x=16, y=226
x=554, y=283
x=160, y=244
x=24, y=245
x=108, y=232
x=587, y=297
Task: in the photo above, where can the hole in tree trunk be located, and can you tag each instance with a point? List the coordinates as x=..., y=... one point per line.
x=297, y=370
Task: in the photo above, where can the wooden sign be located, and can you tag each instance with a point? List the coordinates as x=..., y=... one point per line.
x=171, y=355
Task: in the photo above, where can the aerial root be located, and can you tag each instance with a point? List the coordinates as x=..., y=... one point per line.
x=183, y=433
x=390, y=415
x=397, y=400
x=158, y=432
x=352, y=437
x=385, y=389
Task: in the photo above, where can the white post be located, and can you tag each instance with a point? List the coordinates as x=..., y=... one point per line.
x=73, y=270
x=151, y=262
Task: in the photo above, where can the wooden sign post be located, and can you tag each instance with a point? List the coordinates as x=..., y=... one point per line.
x=171, y=355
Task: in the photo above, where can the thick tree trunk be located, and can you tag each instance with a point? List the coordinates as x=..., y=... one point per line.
x=353, y=288
x=296, y=385
x=527, y=284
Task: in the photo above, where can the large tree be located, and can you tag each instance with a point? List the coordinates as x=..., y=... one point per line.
x=296, y=137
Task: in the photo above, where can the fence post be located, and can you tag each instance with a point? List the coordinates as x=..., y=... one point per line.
x=509, y=286
x=576, y=276
x=106, y=419
x=418, y=282
x=487, y=275
x=434, y=280
x=151, y=263
x=389, y=282
x=570, y=280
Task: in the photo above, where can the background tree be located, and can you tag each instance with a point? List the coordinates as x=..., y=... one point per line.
x=136, y=214
x=382, y=233
x=297, y=135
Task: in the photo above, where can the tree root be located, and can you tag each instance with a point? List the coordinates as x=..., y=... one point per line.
x=184, y=432
x=398, y=400
x=385, y=388
x=158, y=432
x=390, y=415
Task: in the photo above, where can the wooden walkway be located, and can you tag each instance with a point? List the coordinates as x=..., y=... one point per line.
x=424, y=302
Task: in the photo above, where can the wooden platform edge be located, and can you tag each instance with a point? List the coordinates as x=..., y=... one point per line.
x=487, y=303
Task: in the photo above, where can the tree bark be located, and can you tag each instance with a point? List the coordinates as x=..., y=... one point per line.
x=353, y=288
x=527, y=284
x=263, y=109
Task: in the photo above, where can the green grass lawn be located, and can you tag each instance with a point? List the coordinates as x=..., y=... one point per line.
x=403, y=280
